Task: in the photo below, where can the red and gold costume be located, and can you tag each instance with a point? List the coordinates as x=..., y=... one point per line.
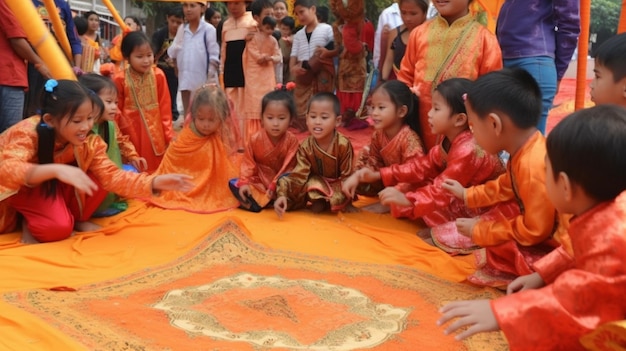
x=462, y=160
x=512, y=244
x=207, y=160
x=146, y=114
x=583, y=291
x=18, y=155
x=437, y=51
x=384, y=152
x=263, y=162
x=318, y=174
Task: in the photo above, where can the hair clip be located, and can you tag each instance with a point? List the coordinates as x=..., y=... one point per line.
x=285, y=87
x=50, y=85
x=464, y=96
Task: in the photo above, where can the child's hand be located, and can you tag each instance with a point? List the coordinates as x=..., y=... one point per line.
x=465, y=226
x=322, y=52
x=75, y=177
x=391, y=195
x=349, y=185
x=280, y=206
x=298, y=70
x=369, y=176
x=173, y=182
x=244, y=192
x=139, y=163
x=454, y=187
x=476, y=314
x=525, y=282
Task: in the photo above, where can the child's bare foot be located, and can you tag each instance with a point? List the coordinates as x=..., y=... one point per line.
x=319, y=206
x=424, y=234
x=351, y=209
x=376, y=208
x=86, y=226
x=27, y=236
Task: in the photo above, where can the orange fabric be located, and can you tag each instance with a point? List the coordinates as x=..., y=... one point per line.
x=207, y=160
x=583, y=291
x=145, y=112
x=263, y=162
x=384, y=152
x=437, y=51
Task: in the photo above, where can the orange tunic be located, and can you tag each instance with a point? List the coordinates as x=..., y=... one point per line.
x=18, y=154
x=513, y=243
x=146, y=114
x=260, y=79
x=207, y=160
x=318, y=174
x=437, y=51
x=263, y=162
x=582, y=292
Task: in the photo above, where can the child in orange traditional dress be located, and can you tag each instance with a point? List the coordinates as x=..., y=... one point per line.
x=323, y=162
x=204, y=149
x=144, y=100
x=56, y=172
x=393, y=140
x=574, y=289
x=119, y=149
x=270, y=153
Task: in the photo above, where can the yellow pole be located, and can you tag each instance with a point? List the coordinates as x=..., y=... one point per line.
x=41, y=39
x=59, y=29
x=583, y=48
x=115, y=15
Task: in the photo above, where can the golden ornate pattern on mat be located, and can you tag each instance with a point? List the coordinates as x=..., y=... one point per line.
x=229, y=293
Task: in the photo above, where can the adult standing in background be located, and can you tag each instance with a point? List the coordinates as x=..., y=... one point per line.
x=389, y=19
x=539, y=36
x=13, y=78
x=35, y=79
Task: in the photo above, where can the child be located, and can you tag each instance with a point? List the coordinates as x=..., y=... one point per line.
x=503, y=108
x=570, y=293
x=260, y=56
x=393, y=141
x=281, y=11
x=608, y=84
x=202, y=149
x=212, y=17
x=119, y=148
x=413, y=14
x=285, y=42
x=323, y=161
x=162, y=39
x=144, y=101
x=269, y=154
x=457, y=156
x=235, y=31
x=196, y=52
x=453, y=44
x=311, y=62
x=56, y=172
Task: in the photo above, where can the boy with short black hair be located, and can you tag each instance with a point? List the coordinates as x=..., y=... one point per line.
x=609, y=83
x=286, y=26
x=503, y=108
x=570, y=293
x=323, y=161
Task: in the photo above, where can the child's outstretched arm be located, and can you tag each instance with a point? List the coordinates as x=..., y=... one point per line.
x=363, y=175
x=455, y=188
x=525, y=282
x=392, y=196
x=71, y=175
x=475, y=314
x=280, y=206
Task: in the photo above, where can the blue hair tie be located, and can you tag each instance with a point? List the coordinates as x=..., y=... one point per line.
x=50, y=85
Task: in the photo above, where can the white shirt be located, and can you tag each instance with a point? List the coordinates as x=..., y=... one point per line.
x=303, y=49
x=391, y=18
x=190, y=51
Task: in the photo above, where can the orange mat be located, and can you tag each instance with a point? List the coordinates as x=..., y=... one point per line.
x=229, y=292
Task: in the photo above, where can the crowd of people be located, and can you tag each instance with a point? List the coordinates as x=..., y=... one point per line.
x=551, y=220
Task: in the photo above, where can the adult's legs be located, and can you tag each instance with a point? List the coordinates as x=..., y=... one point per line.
x=11, y=106
x=543, y=69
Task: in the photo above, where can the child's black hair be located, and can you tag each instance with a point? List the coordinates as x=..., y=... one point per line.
x=176, y=11
x=452, y=91
x=81, y=25
x=305, y=3
x=135, y=19
x=422, y=4
x=400, y=95
x=322, y=13
x=612, y=55
x=208, y=14
x=289, y=22
x=258, y=6
x=133, y=40
x=281, y=96
x=326, y=96
x=513, y=92
x=89, y=13
x=269, y=21
x=61, y=101
x=588, y=146
x=97, y=83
